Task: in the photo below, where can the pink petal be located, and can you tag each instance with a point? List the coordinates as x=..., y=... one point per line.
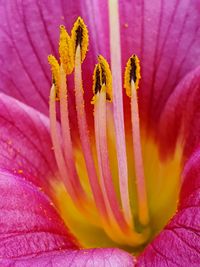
x=29, y=222
x=165, y=35
x=178, y=244
x=30, y=31
x=25, y=142
x=82, y=258
x=180, y=116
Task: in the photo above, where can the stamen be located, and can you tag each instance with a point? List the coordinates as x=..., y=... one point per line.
x=122, y=232
x=116, y=221
x=67, y=142
x=67, y=66
x=101, y=88
x=132, y=76
x=132, y=73
x=118, y=106
x=82, y=123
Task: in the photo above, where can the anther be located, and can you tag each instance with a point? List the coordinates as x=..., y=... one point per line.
x=102, y=76
x=79, y=36
x=131, y=81
x=66, y=51
x=55, y=69
x=132, y=74
x=106, y=76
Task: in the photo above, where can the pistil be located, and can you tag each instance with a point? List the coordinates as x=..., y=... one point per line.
x=115, y=53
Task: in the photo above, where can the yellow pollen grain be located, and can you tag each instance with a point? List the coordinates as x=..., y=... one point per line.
x=79, y=36
x=132, y=74
x=9, y=142
x=66, y=51
x=55, y=69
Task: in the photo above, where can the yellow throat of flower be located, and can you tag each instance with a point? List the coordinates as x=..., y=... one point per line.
x=107, y=179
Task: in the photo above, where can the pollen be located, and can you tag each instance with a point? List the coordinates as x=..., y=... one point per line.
x=79, y=36
x=66, y=51
x=132, y=74
x=55, y=69
x=102, y=78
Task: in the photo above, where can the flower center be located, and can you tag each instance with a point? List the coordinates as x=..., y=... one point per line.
x=107, y=202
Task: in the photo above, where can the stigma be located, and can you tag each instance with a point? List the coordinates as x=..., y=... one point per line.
x=111, y=205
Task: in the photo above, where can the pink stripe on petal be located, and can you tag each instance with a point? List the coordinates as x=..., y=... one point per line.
x=29, y=223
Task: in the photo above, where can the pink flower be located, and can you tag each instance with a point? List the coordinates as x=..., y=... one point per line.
x=132, y=181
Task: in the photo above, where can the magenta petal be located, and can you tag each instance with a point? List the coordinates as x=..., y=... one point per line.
x=178, y=244
x=181, y=116
x=25, y=142
x=29, y=222
x=30, y=31
x=165, y=35
x=76, y=258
